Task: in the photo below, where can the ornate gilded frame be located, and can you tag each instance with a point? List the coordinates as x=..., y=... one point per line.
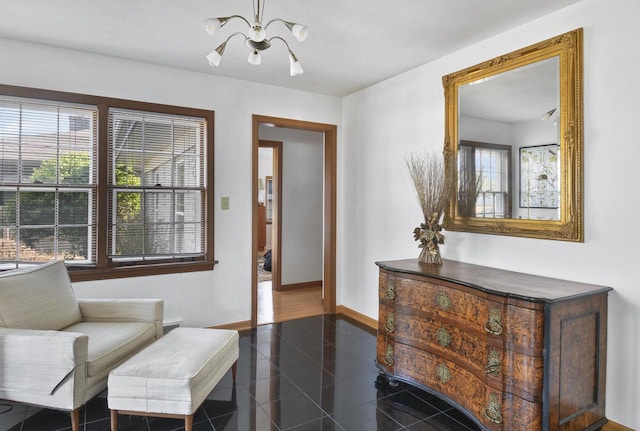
x=568, y=47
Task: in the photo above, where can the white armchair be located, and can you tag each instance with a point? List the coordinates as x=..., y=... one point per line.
x=57, y=351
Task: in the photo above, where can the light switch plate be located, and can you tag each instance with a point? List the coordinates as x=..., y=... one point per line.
x=224, y=203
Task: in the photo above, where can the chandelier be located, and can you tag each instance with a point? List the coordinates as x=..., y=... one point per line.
x=256, y=40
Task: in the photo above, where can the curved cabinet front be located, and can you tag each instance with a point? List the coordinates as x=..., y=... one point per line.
x=486, y=358
x=497, y=352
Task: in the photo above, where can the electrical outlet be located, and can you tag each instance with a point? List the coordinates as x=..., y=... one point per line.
x=224, y=203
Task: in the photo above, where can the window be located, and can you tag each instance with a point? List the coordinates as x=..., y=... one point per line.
x=113, y=187
x=47, y=181
x=155, y=201
x=485, y=176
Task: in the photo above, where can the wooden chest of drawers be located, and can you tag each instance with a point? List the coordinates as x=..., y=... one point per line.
x=514, y=351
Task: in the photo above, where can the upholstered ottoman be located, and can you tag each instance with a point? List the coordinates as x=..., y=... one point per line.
x=173, y=376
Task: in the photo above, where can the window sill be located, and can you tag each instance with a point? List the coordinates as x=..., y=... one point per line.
x=78, y=274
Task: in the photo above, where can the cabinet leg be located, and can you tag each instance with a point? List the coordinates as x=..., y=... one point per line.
x=384, y=381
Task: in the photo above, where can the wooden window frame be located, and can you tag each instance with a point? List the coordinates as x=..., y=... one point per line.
x=102, y=268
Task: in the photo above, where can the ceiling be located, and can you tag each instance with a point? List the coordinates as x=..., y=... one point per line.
x=352, y=43
x=521, y=94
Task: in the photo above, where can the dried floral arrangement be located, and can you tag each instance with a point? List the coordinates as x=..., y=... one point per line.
x=433, y=189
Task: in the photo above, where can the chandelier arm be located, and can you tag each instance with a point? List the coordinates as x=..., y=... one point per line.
x=288, y=24
x=225, y=19
x=215, y=56
x=241, y=17
x=283, y=41
x=295, y=67
x=235, y=34
x=274, y=20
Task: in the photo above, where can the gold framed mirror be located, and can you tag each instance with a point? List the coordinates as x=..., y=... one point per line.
x=514, y=141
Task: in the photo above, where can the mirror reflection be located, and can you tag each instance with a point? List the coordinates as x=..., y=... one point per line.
x=513, y=141
x=508, y=160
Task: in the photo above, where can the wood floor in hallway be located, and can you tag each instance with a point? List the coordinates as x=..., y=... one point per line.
x=276, y=307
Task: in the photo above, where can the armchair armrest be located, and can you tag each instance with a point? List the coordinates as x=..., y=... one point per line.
x=39, y=360
x=123, y=310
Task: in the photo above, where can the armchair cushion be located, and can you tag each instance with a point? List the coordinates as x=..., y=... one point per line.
x=111, y=343
x=40, y=297
x=123, y=310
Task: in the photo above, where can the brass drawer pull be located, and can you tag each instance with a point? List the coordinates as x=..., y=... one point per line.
x=494, y=324
x=444, y=339
x=493, y=364
x=391, y=290
x=390, y=326
x=444, y=302
x=492, y=414
x=492, y=411
x=388, y=357
x=443, y=373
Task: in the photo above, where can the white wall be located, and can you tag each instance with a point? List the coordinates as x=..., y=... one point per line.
x=383, y=123
x=204, y=298
x=302, y=203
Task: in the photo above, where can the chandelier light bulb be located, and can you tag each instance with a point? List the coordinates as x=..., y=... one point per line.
x=300, y=31
x=212, y=25
x=214, y=58
x=257, y=32
x=295, y=68
x=254, y=57
x=547, y=114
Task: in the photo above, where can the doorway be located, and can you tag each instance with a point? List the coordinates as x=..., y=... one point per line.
x=328, y=209
x=269, y=211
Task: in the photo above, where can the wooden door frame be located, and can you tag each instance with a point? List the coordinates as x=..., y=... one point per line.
x=276, y=239
x=330, y=218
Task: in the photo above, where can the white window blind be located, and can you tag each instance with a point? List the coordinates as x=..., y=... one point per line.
x=493, y=166
x=47, y=182
x=156, y=187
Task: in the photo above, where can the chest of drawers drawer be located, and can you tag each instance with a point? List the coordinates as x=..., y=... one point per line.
x=489, y=404
x=519, y=328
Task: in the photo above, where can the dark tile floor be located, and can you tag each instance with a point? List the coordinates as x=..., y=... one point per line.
x=308, y=374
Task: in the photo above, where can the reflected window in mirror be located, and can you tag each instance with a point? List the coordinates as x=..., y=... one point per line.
x=484, y=180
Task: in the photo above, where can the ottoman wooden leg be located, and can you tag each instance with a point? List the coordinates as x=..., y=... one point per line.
x=114, y=420
x=234, y=369
x=188, y=422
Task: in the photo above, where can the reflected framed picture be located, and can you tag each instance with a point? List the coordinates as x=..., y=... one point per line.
x=539, y=167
